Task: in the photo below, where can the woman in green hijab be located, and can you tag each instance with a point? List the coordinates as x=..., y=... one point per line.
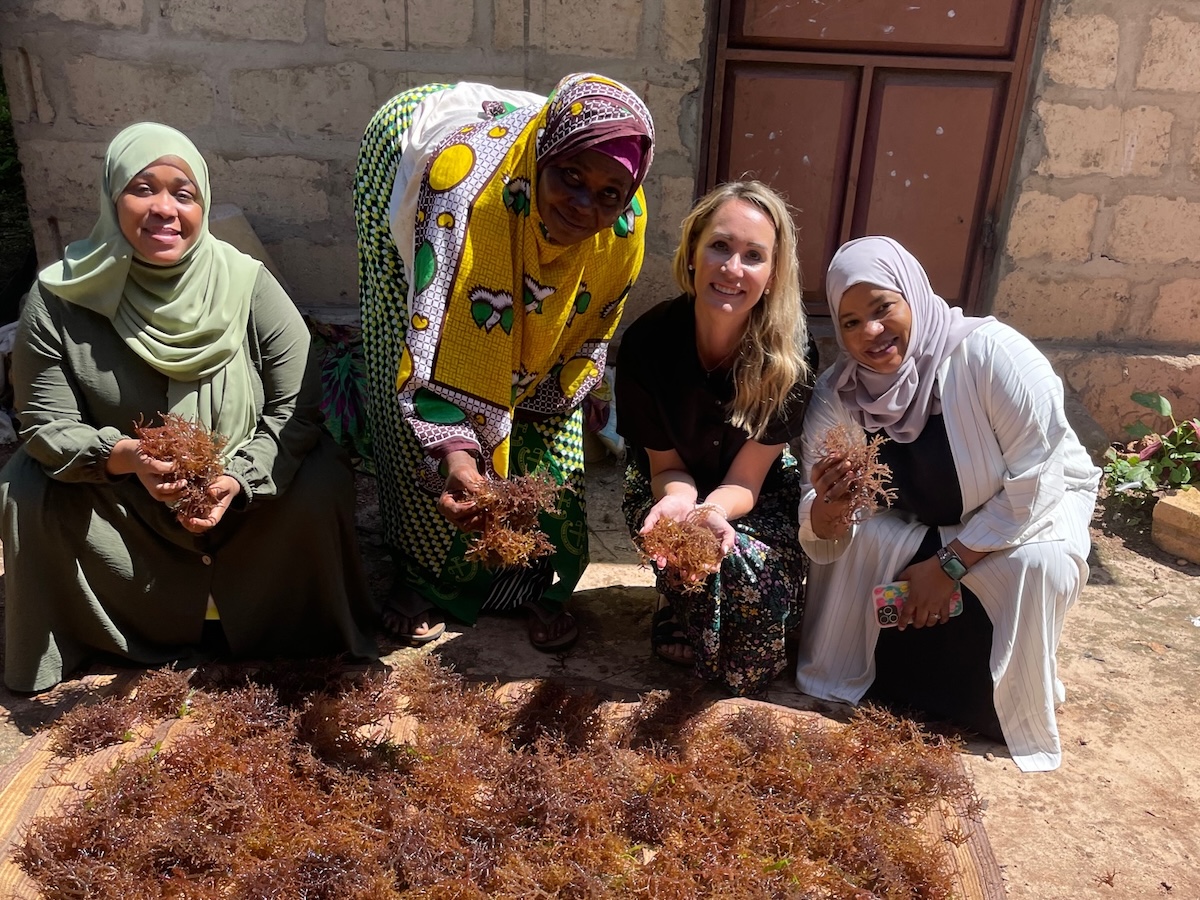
x=151, y=314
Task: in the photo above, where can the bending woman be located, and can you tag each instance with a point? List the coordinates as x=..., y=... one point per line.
x=499, y=233
x=152, y=314
x=711, y=387
x=995, y=494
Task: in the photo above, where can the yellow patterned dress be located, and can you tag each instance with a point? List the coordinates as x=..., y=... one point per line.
x=491, y=335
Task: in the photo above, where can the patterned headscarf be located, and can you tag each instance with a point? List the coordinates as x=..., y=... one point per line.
x=499, y=316
x=899, y=402
x=587, y=112
x=187, y=320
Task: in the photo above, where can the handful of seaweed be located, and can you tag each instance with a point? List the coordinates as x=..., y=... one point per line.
x=691, y=549
x=195, y=453
x=870, y=485
x=419, y=784
x=510, y=507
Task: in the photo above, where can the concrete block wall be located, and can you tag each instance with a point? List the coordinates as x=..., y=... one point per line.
x=276, y=94
x=1101, y=258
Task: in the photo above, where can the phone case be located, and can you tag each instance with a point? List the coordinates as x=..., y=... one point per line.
x=890, y=597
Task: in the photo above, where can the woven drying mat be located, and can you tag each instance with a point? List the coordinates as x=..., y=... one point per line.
x=38, y=783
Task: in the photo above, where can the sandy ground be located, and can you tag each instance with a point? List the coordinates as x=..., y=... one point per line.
x=1120, y=819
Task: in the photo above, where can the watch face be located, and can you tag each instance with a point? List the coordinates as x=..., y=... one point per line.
x=951, y=564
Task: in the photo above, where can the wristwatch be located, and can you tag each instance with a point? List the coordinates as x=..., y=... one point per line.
x=951, y=563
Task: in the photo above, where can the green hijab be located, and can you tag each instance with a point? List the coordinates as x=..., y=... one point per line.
x=188, y=320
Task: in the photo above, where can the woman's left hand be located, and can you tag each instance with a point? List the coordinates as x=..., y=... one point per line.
x=222, y=489
x=929, y=592
x=714, y=519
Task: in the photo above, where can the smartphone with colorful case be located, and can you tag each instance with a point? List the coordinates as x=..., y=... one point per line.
x=889, y=598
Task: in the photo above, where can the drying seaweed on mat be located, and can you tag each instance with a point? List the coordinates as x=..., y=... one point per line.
x=417, y=783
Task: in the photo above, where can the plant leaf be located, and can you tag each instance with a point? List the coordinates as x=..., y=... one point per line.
x=1156, y=402
x=1138, y=430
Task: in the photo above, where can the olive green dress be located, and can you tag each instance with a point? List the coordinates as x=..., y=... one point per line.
x=94, y=564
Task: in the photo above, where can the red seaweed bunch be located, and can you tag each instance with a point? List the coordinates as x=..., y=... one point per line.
x=690, y=547
x=93, y=726
x=463, y=790
x=510, y=535
x=194, y=450
x=870, y=486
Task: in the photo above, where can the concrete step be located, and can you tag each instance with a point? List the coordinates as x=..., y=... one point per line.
x=1175, y=526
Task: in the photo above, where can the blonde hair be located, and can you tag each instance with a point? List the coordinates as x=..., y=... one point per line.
x=774, y=347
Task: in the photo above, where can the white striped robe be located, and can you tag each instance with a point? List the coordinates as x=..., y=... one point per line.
x=1028, y=489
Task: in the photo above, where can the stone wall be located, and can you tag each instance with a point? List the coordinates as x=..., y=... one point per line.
x=276, y=93
x=1102, y=251
x=1101, y=261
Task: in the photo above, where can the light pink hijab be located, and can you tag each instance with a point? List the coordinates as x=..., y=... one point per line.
x=901, y=402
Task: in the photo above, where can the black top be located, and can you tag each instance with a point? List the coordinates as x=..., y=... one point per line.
x=666, y=401
x=924, y=475
x=911, y=666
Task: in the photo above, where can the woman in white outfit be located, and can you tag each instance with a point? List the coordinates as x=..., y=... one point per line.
x=995, y=494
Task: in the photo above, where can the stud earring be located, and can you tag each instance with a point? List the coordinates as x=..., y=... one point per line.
x=767, y=291
x=691, y=268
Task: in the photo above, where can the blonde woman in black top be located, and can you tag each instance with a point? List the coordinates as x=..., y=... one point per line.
x=711, y=388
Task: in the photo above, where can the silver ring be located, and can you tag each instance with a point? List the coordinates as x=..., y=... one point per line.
x=936, y=617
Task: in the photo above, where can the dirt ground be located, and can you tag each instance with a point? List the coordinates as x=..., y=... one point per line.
x=1120, y=819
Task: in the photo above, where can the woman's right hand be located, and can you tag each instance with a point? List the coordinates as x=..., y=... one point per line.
x=457, y=501
x=672, y=506
x=156, y=476
x=833, y=480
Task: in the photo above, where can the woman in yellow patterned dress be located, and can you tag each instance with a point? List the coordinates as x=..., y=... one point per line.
x=499, y=233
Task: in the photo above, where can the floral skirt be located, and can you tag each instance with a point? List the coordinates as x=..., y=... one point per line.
x=737, y=626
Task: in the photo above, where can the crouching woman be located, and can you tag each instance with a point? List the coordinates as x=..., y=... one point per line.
x=152, y=314
x=711, y=387
x=994, y=493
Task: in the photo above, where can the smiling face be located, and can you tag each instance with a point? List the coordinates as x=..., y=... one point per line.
x=581, y=195
x=876, y=325
x=734, y=258
x=160, y=213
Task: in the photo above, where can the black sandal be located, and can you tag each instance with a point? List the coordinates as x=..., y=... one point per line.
x=665, y=631
x=404, y=611
x=540, y=616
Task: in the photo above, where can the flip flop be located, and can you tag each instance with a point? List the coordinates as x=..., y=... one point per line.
x=665, y=631
x=537, y=615
x=404, y=610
